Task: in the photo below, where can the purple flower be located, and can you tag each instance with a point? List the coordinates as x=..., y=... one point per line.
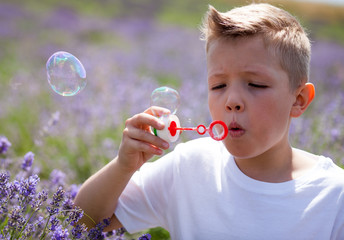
x=96, y=232
x=73, y=190
x=39, y=222
x=68, y=204
x=28, y=186
x=15, y=218
x=29, y=230
x=4, y=178
x=13, y=189
x=28, y=160
x=53, y=223
x=60, y=234
x=146, y=236
x=335, y=134
x=120, y=232
x=78, y=230
x=40, y=199
x=58, y=197
x=109, y=234
x=57, y=178
x=4, y=144
x=75, y=215
x=52, y=210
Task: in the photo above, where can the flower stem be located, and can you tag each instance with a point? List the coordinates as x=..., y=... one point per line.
x=20, y=233
x=45, y=227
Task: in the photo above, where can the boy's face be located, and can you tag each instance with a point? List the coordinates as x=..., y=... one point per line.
x=249, y=91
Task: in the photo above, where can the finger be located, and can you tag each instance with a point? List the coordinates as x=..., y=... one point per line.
x=146, y=137
x=147, y=148
x=131, y=145
x=145, y=121
x=157, y=111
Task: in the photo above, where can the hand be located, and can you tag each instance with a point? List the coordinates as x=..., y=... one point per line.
x=139, y=144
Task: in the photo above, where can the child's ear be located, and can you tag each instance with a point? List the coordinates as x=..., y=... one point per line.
x=305, y=95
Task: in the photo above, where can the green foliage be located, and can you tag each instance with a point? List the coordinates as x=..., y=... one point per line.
x=332, y=32
x=159, y=233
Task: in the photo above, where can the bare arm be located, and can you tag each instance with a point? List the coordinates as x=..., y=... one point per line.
x=98, y=196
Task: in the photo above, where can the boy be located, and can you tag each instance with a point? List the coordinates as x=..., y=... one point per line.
x=253, y=184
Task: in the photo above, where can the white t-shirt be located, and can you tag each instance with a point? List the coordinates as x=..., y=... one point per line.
x=198, y=192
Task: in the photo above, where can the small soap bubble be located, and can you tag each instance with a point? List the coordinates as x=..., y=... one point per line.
x=66, y=74
x=167, y=98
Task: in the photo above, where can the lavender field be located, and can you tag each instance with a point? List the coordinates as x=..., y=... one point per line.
x=126, y=57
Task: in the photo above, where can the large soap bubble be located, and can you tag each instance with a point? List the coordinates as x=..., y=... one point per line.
x=167, y=98
x=66, y=74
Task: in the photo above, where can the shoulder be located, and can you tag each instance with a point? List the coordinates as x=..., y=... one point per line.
x=329, y=166
x=324, y=166
x=330, y=174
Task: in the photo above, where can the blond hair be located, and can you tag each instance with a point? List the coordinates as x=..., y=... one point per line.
x=281, y=32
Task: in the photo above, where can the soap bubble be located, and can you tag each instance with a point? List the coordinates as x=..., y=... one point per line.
x=167, y=98
x=66, y=74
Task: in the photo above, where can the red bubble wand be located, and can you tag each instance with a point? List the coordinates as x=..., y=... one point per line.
x=217, y=129
x=169, y=98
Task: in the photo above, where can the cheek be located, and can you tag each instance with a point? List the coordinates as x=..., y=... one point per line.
x=213, y=105
x=273, y=117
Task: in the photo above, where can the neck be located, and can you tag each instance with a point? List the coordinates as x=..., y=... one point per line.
x=274, y=165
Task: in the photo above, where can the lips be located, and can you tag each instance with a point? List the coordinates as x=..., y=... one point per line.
x=235, y=130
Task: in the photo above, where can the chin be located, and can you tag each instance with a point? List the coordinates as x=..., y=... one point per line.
x=240, y=152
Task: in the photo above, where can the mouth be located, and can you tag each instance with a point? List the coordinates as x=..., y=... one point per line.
x=235, y=130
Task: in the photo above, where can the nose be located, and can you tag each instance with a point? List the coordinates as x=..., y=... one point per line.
x=234, y=103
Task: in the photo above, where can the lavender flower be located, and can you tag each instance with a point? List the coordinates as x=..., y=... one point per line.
x=14, y=188
x=28, y=160
x=4, y=178
x=26, y=190
x=28, y=186
x=54, y=222
x=74, y=215
x=16, y=220
x=57, y=178
x=39, y=223
x=40, y=199
x=58, y=197
x=60, y=234
x=29, y=231
x=97, y=231
x=4, y=144
x=73, y=190
x=78, y=231
x=146, y=236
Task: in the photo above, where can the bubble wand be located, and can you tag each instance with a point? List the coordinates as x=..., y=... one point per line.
x=169, y=98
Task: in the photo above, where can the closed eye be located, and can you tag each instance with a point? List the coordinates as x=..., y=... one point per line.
x=257, y=85
x=218, y=87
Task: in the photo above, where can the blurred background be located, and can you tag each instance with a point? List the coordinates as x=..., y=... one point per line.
x=129, y=48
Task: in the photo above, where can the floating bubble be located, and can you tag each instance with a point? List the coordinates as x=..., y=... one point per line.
x=66, y=74
x=167, y=98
